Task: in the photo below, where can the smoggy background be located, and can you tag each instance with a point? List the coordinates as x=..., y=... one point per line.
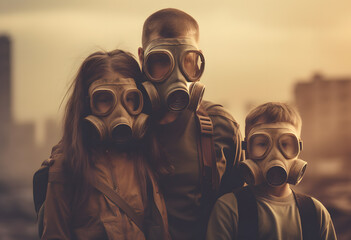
x=256, y=51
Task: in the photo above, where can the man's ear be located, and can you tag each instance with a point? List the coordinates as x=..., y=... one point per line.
x=141, y=55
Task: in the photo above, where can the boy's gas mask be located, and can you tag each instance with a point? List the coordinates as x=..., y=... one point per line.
x=116, y=111
x=272, y=151
x=170, y=64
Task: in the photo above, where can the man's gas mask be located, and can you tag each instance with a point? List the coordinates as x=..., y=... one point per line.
x=272, y=151
x=170, y=64
x=116, y=111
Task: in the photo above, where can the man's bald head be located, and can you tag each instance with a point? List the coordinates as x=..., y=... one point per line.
x=169, y=23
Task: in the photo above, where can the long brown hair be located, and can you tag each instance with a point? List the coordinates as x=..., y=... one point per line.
x=76, y=153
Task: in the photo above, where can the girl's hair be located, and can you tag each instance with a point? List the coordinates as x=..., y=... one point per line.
x=75, y=151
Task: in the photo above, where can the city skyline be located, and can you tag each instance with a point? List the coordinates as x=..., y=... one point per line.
x=254, y=52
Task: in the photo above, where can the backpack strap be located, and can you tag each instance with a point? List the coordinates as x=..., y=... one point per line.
x=247, y=214
x=207, y=158
x=206, y=149
x=308, y=216
x=118, y=200
x=40, y=183
x=232, y=153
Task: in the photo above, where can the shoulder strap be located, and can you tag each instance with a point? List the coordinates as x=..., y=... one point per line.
x=123, y=205
x=206, y=148
x=308, y=216
x=40, y=183
x=247, y=214
x=215, y=109
x=207, y=158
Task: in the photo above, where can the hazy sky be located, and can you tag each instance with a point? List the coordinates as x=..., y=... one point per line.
x=254, y=50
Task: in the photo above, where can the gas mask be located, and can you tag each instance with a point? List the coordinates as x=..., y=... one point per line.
x=116, y=106
x=173, y=67
x=272, y=155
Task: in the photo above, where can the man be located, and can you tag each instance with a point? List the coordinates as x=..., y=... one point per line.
x=200, y=140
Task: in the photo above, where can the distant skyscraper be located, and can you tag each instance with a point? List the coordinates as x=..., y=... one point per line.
x=325, y=108
x=5, y=91
x=20, y=155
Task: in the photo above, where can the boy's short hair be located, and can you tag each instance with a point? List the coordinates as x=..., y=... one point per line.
x=169, y=23
x=273, y=112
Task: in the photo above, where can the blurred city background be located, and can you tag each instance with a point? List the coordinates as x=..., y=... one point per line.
x=256, y=51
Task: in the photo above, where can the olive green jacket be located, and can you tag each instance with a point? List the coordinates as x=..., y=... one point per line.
x=184, y=187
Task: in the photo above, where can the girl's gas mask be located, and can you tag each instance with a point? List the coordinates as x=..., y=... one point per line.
x=272, y=151
x=170, y=65
x=116, y=106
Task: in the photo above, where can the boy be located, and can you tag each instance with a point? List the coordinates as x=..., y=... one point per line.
x=267, y=208
x=200, y=139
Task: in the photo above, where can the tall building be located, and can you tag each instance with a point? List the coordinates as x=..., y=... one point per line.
x=325, y=107
x=5, y=91
x=20, y=155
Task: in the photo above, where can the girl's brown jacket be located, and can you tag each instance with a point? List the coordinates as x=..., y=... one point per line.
x=99, y=218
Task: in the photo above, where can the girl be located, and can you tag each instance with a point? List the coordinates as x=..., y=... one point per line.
x=102, y=155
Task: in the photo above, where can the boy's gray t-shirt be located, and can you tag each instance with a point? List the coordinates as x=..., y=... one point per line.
x=278, y=218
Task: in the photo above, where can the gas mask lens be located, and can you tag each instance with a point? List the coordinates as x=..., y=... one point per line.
x=192, y=65
x=103, y=101
x=289, y=145
x=133, y=101
x=159, y=65
x=259, y=145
